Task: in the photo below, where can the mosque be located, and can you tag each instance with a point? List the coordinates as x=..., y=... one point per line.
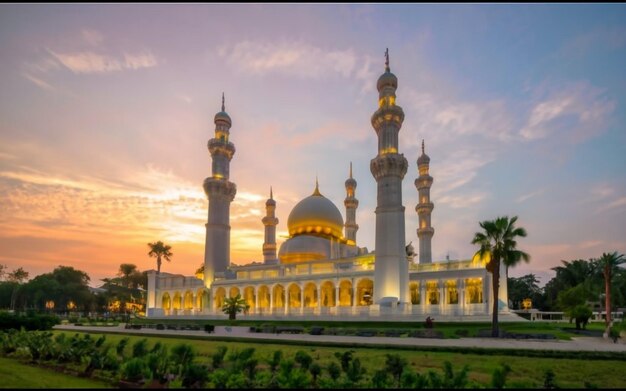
x=320, y=272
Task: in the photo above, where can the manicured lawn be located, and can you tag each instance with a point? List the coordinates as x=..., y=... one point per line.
x=13, y=374
x=527, y=372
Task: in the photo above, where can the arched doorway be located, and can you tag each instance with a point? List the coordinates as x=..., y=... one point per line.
x=327, y=294
x=345, y=293
x=364, y=292
x=188, y=303
x=200, y=300
x=177, y=302
x=218, y=298
x=248, y=296
x=310, y=295
x=166, y=302
x=278, y=296
x=294, y=296
x=263, y=297
x=234, y=291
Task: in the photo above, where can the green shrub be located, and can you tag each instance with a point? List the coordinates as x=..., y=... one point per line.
x=304, y=359
x=195, y=376
x=218, y=357
x=134, y=370
x=140, y=348
x=209, y=328
x=498, y=377
x=121, y=345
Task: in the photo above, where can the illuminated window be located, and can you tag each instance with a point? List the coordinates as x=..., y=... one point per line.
x=432, y=292
x=474, y=290
x=415, y=293
x=451, y=292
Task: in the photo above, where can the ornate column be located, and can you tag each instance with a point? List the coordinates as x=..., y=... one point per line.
x=424, y=208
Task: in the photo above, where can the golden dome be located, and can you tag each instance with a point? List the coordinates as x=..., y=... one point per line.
x=315, y=214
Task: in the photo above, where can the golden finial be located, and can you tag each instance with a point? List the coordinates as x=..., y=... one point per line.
x=387, y=59
x=350, y=170
x=271, y=193
x=317, y=188
x=422, y=146
x=223, y=109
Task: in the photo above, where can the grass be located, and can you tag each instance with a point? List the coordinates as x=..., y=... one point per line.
x=17, y=375
x=527, y=372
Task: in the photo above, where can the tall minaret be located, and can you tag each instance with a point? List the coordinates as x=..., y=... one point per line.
x=351, y=204
x=270, y=221
x=391, y=274
x=220, y=192
x=424, y=208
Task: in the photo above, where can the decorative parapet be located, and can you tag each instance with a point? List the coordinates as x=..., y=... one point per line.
x=391, y=164
x=215, y=187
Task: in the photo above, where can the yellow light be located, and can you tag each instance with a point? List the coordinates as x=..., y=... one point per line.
x=388, y=150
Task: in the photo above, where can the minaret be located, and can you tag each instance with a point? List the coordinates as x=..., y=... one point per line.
x=220, y=192
x=351, y=204
x=424, y=208
x=391, y=274
x=270, y=221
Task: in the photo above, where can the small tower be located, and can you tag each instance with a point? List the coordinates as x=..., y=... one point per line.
x=270, y=221
x=391, y=271
x=351, y=204
x=220, y=192
x=424, y=208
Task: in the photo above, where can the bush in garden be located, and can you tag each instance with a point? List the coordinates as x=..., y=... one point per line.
x=275, y=360
x=498, y=377
x=355, y=371
x=121, y=345
x=140, y=348
x=316, y=370
x=380, y=379
x=159, y=363
x=195, y=376
x=291, y=377
x=304, y=359
x=454, y=381
x=134, y=370
x=334, y=371
x=219, y=378
x=344, y=358
x=395, y=364
x=209, y=328
x=218, y=357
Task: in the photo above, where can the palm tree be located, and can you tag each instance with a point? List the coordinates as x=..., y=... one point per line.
x=160, y=250
x=498, y=240
x=234, y=305
x=608, y=264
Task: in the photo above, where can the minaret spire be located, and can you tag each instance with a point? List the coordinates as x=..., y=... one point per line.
x=220, y=192
x=223, y=106
x=351, y=204
x=270, y=222
x=387, y=60
x=391, y=274
x=424, y=208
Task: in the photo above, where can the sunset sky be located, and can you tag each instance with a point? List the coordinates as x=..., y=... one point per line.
x=106, y=110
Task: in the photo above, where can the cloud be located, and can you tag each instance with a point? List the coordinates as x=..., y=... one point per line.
x=38, y=82
x=138, y=61
x=576, y=111
x=293, y=58
x=89, y=62
x=605, y=37
x=525, y=197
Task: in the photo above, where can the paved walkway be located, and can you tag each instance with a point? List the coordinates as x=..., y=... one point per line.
x=576, y=344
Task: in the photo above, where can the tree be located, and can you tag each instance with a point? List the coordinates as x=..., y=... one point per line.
x=17, y=276
x=608, y=264
x=522, y=288
x=160, y=250
x=573, y=302
x=498, y=240
x=234, y=305
x=571, y=274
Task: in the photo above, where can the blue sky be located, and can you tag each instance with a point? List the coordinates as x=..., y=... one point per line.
x=105, y=111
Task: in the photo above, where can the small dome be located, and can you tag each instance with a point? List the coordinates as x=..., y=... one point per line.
x=303, y=248
x=387, y=79
x=315, y=214
x=423, y=159
x=222, y=116
x=350, y=182
x=270, y=201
